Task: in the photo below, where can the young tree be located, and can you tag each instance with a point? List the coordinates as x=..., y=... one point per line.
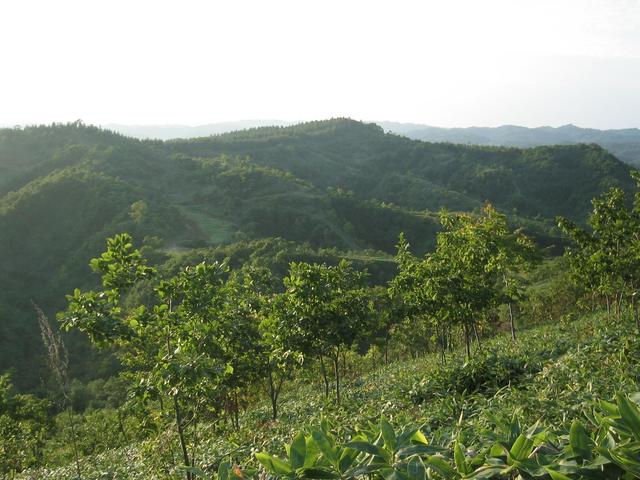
x=471, y=270
x=419, y=291
x=326, y=308
x=280, y=359
x=606, y=257
x=176, y=346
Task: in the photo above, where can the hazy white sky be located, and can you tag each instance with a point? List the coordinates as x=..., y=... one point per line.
x=440, y=62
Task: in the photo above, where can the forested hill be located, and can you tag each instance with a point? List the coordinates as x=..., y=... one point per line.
x=623, y=143
x=336, y=184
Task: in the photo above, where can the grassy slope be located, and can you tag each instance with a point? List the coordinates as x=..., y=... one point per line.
x=567, y=365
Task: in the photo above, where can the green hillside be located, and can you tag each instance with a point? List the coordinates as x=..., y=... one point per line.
x=337, y=183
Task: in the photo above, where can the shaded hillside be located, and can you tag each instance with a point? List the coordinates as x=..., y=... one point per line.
x=543, y=181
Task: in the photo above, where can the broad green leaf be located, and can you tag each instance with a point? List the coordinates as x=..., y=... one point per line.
x=347, y=458
x=556, y=475
x=440, y=465
x=313, y=452
x=273, y=464
x=610, y=408
x=521, y=448
x=371, y=449
x=388, y=434
x=421, y=450
x=487, y=471
x=390, y=473
x=416, y=469
x=368, y=469
x=627, y=460
x=405, y=436
x=630, y=415
x=318, y=473
x=323, y=443
x=223, y=470
x=460, y=460
x=498, y=450
x=580, y=442
x=298, y=451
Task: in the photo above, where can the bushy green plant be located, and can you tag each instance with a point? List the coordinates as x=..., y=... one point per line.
x=610, y=449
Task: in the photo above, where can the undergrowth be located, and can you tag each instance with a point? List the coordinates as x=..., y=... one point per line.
x=553, y=374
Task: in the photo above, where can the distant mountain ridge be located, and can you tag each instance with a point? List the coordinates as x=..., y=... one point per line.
x=623, y=143
x=169, y=132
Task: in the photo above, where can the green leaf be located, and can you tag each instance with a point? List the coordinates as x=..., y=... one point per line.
x=460, y=460
x=440, y=466
x=580, y=442
x=487, y=471
x=298, y=451
x=388, y=434
x=497, y=450
x=556, y=475
x=416, y=469
x=347, y=458
x=630, y=415
x=318, y=473
x=273, y=464
x=421, y=450
x=313, y=452
x=608, y=407
x=323, y=443
x=367, y=469
x=371, y=449
x=391, y=473
x=521, y=448
x=223, y=470
x=627, y=460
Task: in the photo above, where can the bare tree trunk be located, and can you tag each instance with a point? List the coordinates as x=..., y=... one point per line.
x=336, y=367
x=274, y=392
x=122, y=430
x=344, y=364
x=386, y=348
x=442, y=338
x=236, y=409
x=467, y=341
x=475, y=333
x=196, y=444
x=324, y=375
x=183, y=442
x=512, y=322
